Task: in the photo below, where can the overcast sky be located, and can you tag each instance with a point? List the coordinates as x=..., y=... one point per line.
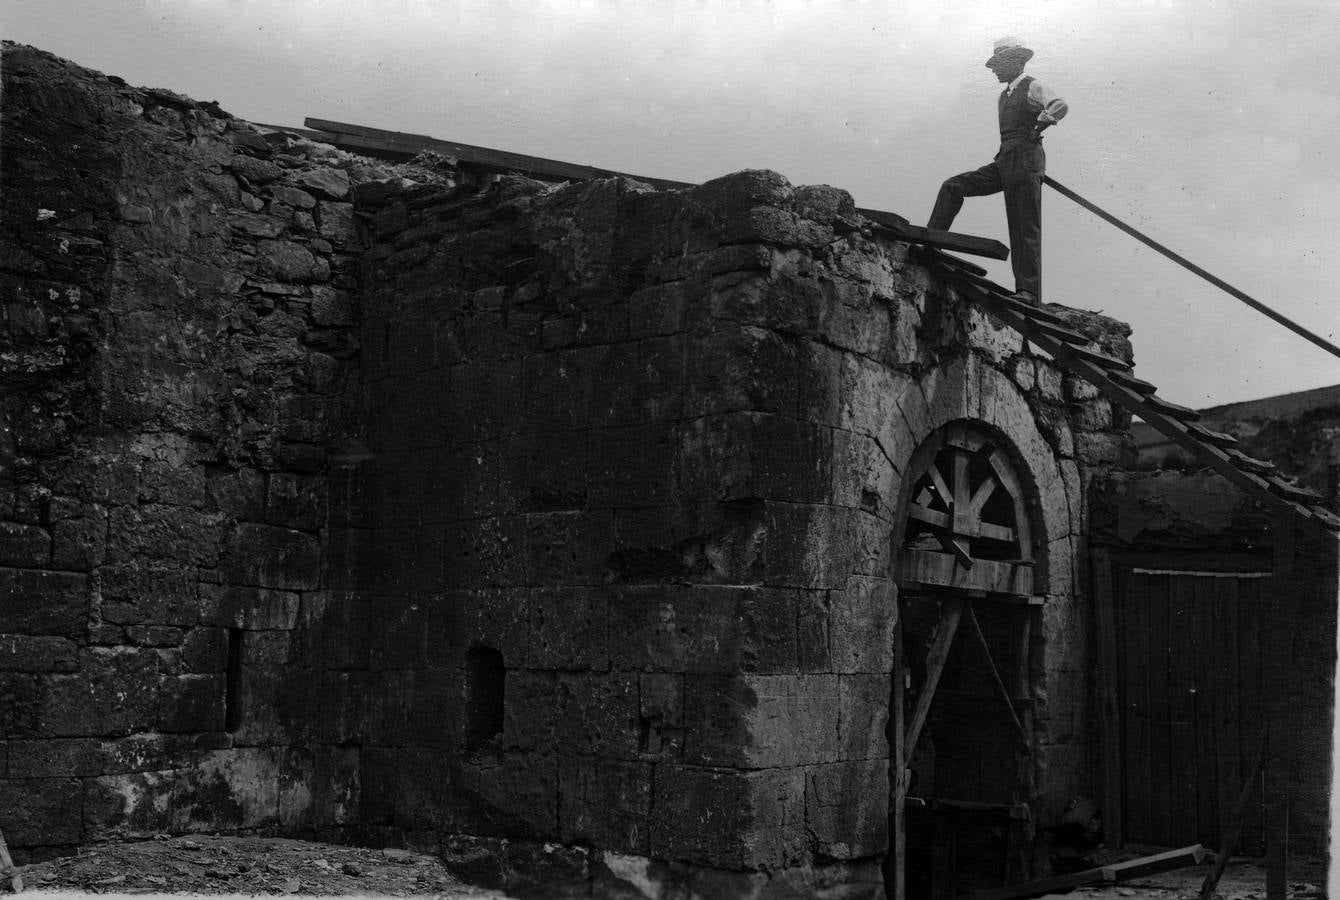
x=1210, y=124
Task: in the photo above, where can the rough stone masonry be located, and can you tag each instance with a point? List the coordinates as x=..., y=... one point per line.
x=549, y=528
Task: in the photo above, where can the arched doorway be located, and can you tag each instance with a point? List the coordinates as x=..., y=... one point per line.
x=961, y=739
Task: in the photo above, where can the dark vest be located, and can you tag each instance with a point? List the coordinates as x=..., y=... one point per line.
x=1018, y=114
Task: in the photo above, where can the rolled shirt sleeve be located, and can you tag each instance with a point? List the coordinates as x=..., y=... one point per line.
x=1053, y=107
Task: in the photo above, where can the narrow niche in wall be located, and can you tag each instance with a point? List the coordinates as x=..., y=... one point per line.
x=484, y=689
x=232, y=698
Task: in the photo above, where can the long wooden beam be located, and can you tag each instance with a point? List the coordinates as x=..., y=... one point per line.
x=1192, y=267
x=404, y=145
x=935, y=664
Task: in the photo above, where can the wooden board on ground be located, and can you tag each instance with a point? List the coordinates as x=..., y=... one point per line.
x=1115, y=873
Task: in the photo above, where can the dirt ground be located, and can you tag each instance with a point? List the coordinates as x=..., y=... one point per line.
x=1243, y=879
x=203, y=864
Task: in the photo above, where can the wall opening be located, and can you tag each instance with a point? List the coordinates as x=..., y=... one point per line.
x=485, y=690
x=232, y=699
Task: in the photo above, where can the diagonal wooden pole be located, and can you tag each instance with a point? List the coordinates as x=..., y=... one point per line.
x=935, y=664
x=1192, y=267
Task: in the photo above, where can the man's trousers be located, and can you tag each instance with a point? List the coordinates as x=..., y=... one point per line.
x=1017, y=170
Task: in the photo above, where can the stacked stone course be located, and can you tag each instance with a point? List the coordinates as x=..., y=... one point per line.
x=547, y=527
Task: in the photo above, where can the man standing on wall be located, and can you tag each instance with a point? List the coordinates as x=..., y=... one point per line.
x=1026, y=109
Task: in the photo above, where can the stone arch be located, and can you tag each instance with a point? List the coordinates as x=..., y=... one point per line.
x=970, y=397
x=971, y=391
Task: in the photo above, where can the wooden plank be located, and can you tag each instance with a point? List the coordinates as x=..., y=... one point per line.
x=895, y=867
x=993, y=676
x=1281, y=757
x=1229, y=764
x=1251, y=715
x=1182, y=653
x=934, y=237
x=1109, y=716
x=500, y=161
x=1168, y=861
x=1161, y=770
x=1233, y=830
x=1209, y=686
x=1098, y=371
x=950, y=614
x=914, y=566
x=1132, y=599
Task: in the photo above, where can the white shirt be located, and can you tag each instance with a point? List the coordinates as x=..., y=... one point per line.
x=1053, y=107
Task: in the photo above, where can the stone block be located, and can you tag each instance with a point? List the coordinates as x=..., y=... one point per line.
x=21, y=697
x=633, y=466
x=420, y=797
x=544, y=471
x=49, y=758
x=204, y=649
x=270, y=557
x=605, y=804
x=863, y=475
x=514, y=796
x=400, y=640
x=42, y=811
x=170, y=534
x=24, y=546
x=492, y=551
x=808, y=545
x=296, y=501
x=437, y=702
x=598, y=714
x=191, y=703
x=377, y=779
x=761, y=721
x=847, y=808
x=245, y=606
x=459, y=620
x=531, y=710
x=542, y=870
x=742, y=368
x=289, y=261
x=36, y=601
x=239, y=493
x=814, y=632
x=787, y=304
x=570, y=548
x=115, y=692
x=658, y=380
x=863, y=715
x=657, y=310
x=568, y=629
x=23, y=653
x=324, y=182
x=864, y=616
x=755, y=455
x=705, y=629
x=752, y=820
x=129, y=806
x=79, y=545
x=229, y=789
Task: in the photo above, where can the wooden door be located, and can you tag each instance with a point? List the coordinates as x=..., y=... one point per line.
x=1189, y=695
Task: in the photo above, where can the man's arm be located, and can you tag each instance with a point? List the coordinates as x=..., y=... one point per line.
x=1053, y=107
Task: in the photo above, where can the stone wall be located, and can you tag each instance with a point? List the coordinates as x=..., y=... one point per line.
x=176, y=360
x=546, y=527
x=648, y=447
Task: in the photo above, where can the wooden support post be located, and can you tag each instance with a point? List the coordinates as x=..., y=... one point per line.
x=1279, y=761
x=1234, y=830
x=993, y=675
x=1109, y=721
x=950, y=614
x=895, y=869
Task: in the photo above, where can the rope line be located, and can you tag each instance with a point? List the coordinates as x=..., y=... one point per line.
x=1187, y=264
